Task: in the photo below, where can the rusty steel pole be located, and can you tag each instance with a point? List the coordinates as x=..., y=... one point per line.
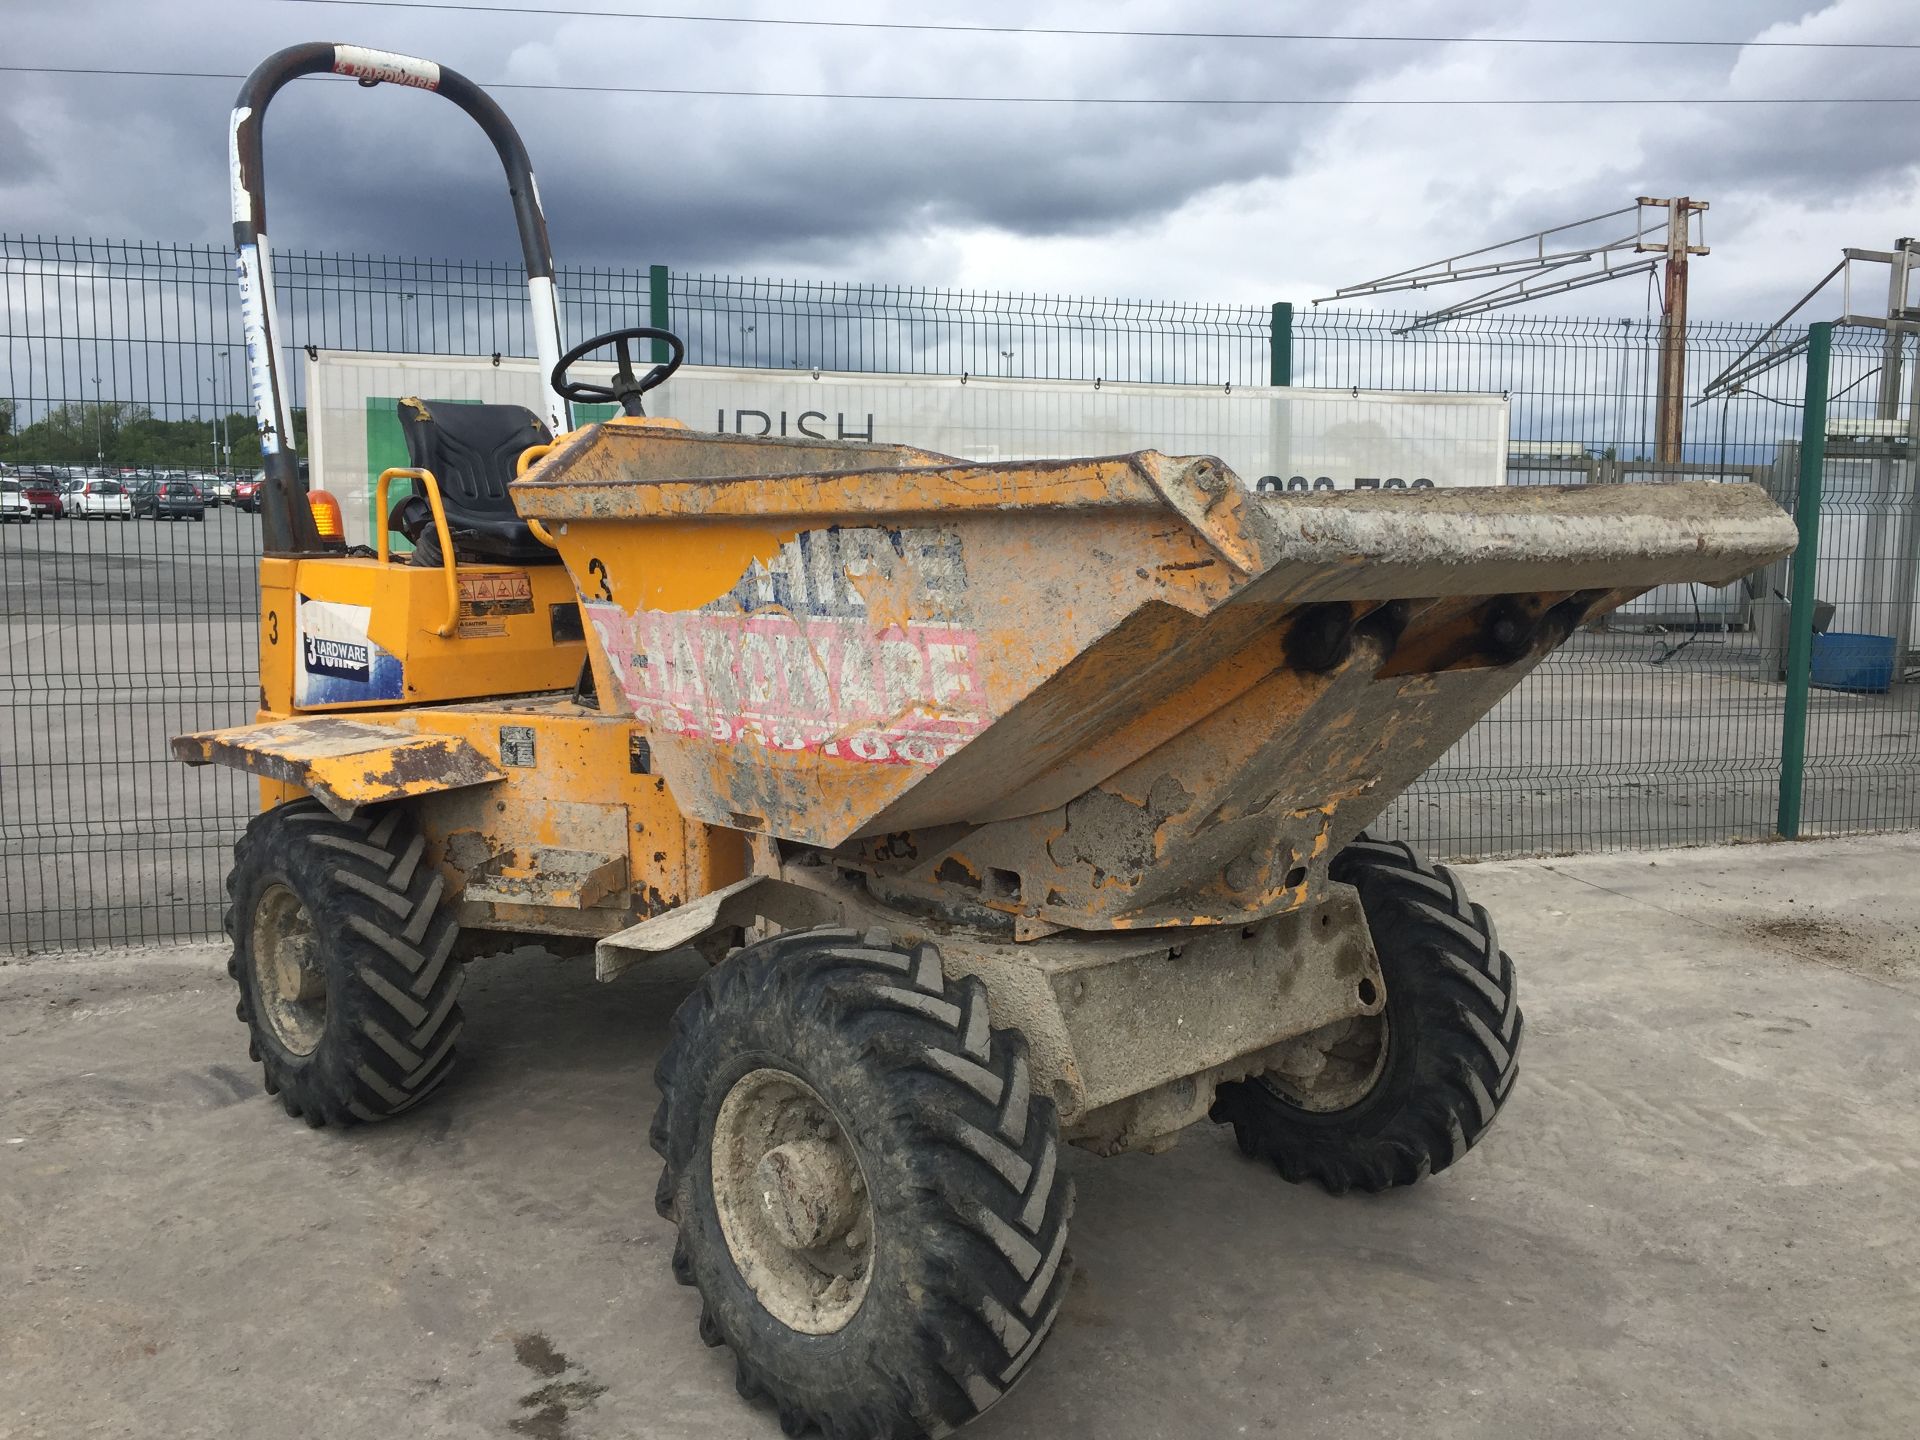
x=1670, y=410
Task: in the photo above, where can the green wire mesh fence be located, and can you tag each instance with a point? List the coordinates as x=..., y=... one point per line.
x=1862, y=727
x=1662, y=727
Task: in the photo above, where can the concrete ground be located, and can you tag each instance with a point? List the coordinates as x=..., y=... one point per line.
x=1699, y=1216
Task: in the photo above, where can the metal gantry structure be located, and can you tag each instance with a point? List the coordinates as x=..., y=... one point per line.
x=1898, y=317
x=1666, y=230
x=1887, y=570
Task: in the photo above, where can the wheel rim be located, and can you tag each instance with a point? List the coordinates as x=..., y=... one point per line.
x=1332, y=1068
x=288, y=978
x=793, y=1202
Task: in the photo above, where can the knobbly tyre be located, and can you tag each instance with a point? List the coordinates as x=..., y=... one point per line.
x=1042, y=785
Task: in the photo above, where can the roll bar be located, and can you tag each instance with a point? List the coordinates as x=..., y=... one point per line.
x=287, y=525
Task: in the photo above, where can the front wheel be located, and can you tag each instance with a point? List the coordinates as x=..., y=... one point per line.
x=867, y=1189
x=344, y=958
x=1384, y=1100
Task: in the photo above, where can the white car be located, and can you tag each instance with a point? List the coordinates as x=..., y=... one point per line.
x=102, y=500
x=14, y=504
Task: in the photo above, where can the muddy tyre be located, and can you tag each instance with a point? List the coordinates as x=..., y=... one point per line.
x=867, y=1192
x=1405, y=1094
x=344, y=958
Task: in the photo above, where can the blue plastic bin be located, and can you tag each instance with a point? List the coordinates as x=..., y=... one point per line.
x=1853, y=662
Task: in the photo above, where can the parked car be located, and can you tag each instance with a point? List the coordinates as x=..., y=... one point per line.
x=246, y=494
x=14, y=504
x=100, y=499
x=169, y=500
x=44, y=493
x=207, y=485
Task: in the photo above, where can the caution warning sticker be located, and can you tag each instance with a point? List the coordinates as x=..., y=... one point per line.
x=488, y=595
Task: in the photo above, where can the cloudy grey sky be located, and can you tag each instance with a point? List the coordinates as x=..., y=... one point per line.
x=1230, y=204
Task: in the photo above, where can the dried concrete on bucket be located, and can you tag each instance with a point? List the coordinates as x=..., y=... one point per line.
x=1713, y=532
x=1700, y=1216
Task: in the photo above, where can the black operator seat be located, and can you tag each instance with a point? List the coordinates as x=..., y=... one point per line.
x=472, y=451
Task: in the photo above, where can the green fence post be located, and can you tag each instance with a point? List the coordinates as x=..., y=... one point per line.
x=1281, y=345
x=659, y=307
x=1806, y=557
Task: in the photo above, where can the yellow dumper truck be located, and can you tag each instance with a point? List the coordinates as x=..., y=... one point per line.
x=1015, y=805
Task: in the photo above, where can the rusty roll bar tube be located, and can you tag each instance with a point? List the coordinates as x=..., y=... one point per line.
x=287, y=525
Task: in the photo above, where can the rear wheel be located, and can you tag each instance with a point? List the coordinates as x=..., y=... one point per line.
x=344, y=958
x=866, y=1189
x=1384, y=1100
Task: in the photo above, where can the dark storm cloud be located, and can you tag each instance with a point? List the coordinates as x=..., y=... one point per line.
x=711, y=180
x=720, y=184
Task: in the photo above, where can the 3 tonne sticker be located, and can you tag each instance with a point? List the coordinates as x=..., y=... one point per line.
x=338, y=663
x=338, y=659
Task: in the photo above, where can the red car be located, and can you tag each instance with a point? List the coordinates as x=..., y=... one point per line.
x=43, y=493
x=246, y=494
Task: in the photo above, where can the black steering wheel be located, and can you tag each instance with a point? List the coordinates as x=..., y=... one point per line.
x=625, y=391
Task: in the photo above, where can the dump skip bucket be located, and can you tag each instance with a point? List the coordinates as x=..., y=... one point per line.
x=1125, y=660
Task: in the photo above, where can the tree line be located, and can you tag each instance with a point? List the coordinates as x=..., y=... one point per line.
x=118, y=435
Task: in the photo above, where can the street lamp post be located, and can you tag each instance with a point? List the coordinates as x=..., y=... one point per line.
x=217, y=436
x=99, y=428
x=220, y=410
